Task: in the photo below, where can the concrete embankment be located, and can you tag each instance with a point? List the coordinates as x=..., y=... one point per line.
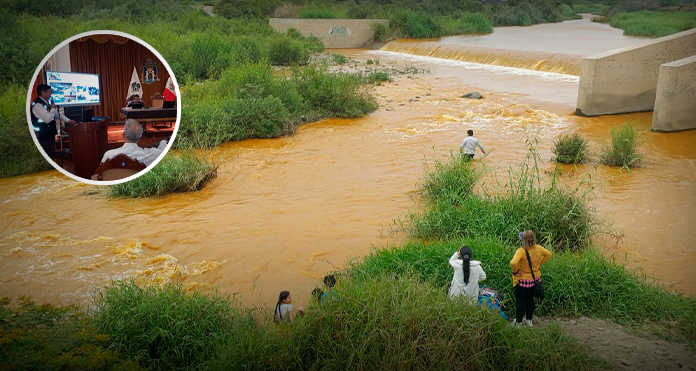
x=625, y=80
x=675, y=101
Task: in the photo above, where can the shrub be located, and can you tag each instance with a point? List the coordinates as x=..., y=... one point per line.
x=316, y=12
x=174, y=173
x=166, y=328
x=285, y=52
x=380, y=31
x=570, y=149
x=339, y=58
x=333, y=94
x=559, y=216
x=245, y=8
x=415, y=25
x=623, y=150
x=377, y=77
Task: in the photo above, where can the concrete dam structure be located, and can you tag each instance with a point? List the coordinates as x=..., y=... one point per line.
x=334, y=33
x=658, y=76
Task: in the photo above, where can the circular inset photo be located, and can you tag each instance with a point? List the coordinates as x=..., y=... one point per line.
x=103, y=107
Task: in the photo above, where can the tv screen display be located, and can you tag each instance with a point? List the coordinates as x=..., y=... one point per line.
x=74, y=89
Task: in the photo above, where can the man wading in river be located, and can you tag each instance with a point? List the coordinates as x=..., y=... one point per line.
x=469, y=145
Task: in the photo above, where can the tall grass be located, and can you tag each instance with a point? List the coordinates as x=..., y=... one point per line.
x=623, y=149
x=185, y=172
x=18, y=152
x=49, y=337
x=398, y=323
x=570, y=149
x=560, y=216
x=167, y=328
x=653, y=24
x=586, y=284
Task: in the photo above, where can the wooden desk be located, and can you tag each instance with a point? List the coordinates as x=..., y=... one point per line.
x=150, y=114
x=88, y=143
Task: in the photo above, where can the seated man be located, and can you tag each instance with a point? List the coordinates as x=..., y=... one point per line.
x=136, y=100
x=133, y=131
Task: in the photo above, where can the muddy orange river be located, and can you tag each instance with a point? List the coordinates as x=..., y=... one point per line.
x=284, y=212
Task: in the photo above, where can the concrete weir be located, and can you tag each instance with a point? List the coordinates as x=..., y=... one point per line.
x=334, y=33
x=626, y=80
x=675, y=101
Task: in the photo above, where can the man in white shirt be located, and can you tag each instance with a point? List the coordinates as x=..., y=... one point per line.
x=133, y=131
x=43, y=119
x=469, y=145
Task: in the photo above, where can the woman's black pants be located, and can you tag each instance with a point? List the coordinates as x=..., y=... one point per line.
x=524, y=298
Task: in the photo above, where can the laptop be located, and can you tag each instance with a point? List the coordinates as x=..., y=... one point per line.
x=137, y=105
x=168, y=104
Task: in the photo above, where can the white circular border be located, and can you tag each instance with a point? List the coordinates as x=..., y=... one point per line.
x=29, y=100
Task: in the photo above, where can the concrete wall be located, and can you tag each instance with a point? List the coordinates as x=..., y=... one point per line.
x=334, y=33
x=625, y=80
x=675, y=101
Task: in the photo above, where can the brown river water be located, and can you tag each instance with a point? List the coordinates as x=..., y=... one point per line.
x=284, y=212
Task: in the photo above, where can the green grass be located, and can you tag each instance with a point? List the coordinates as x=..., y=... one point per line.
x=586, y=284
x=339, y=58
x=653, y=23
x=560, y=216
x=623, y=149
x=570, y=149
x=18, y=152
x=467, y=23
x=589, y=7
x=186, y=172
x=312, y=11
x=49, y=337
x=167, y=328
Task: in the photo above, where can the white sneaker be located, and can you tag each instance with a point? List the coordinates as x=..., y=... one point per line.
x=514, y=323
x=528, y=322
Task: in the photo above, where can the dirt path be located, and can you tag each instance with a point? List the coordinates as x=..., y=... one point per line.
x=627, y=351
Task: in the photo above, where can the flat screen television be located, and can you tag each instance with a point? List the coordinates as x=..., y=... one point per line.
x=74, y=89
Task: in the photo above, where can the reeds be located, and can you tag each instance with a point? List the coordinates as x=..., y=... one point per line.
x=623, y=149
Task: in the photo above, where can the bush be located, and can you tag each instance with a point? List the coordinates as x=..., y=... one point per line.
x=380, y=31
x=415, y=25
x=166, y=328
x=315, y=12
x=339, y=58
x=333, y=94
x=570, y=149
x=245, y=8
x=623, y=150
x=174, y=173
x=466, y=23
x=377, y=77
x=286, y=52
x=560, y=217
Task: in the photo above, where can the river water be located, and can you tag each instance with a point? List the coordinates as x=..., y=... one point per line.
x=284, y=212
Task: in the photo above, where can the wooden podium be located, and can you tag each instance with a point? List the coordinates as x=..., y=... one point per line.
x=88, y=143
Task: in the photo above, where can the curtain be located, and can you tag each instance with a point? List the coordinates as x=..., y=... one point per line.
x=113, y=58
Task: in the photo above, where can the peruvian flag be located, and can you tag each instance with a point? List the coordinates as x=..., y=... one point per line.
x=169, y=93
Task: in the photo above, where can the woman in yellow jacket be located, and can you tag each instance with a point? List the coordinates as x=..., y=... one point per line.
x=522, y=279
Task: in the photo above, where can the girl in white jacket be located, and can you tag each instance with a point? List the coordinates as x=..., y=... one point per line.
x=467, y=274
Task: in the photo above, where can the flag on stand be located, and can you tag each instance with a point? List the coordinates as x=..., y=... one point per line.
x=169, y=94
x=134, y=86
